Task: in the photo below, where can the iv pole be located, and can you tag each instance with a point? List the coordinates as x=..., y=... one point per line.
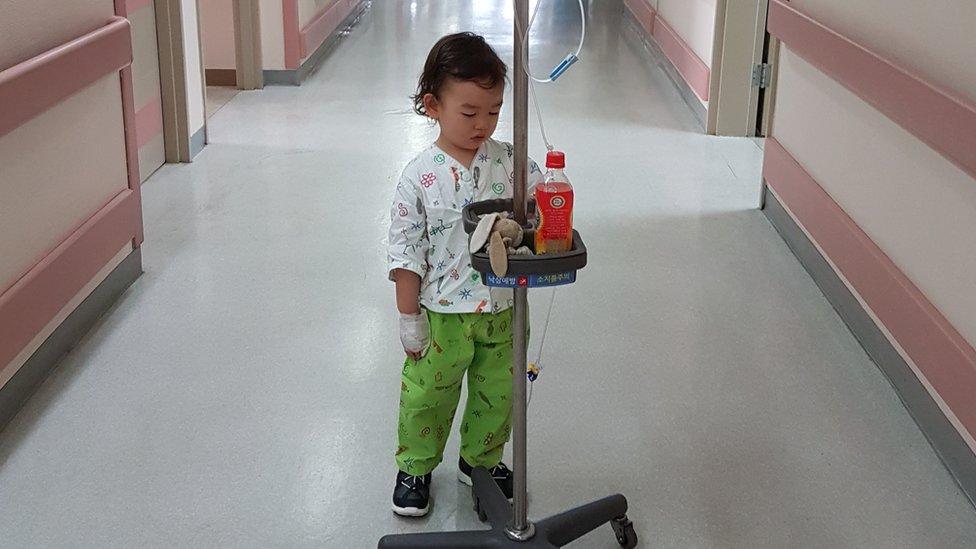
x=520, y=528
x=510, y=523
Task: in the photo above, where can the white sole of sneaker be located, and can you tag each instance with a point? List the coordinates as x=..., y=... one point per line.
x=411, y=511
x=466, y=480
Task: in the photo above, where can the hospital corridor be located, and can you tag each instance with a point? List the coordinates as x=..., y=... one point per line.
x=770, y=343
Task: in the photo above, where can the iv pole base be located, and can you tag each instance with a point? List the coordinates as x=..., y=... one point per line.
x=555, y=531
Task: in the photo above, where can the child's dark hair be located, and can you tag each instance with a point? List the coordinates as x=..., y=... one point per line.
x=465, y=56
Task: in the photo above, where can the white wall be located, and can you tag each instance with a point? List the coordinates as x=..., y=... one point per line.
x=194, y=77
x=31, y=27
x=52, y=180
x=694, y=21
x=272, y=35
x=933, y=38
x=62, y=166
x=917, y=206
x=217, y=33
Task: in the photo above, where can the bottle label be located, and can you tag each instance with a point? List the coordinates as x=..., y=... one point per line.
x=555, y=218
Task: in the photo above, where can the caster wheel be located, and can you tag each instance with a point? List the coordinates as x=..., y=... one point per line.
x=482, y=516
x=624, y=530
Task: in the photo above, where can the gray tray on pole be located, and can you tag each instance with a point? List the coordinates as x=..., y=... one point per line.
x=537, y=271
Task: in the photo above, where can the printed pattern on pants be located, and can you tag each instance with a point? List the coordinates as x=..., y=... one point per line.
x=481, y=345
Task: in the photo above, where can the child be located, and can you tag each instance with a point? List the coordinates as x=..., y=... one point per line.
x=449, y=321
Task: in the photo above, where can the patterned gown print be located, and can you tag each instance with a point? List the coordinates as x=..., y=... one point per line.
x=427, y=235
x=470, y=323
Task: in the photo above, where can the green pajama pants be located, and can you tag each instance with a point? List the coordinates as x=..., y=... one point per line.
x=481, y=345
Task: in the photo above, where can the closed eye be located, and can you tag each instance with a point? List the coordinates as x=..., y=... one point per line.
x=493, y=113
x=469, y=115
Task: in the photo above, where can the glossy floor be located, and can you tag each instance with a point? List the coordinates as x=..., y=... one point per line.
x=243, y=393
x=217, y=97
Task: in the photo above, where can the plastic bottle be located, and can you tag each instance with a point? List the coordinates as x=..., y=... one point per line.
x=554, y=201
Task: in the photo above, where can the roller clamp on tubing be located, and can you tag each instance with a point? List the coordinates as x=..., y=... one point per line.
x=539, y=271
x=563, y=66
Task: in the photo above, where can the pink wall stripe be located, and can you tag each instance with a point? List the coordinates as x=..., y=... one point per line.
x=132, y=6
x=27, y=90
x=941, y=119
x=293, y=44
x=945, y=359
x=30, y=88
x=28, y=305
x=644, y=14
x=149, y=121
x=695, y=72
x=321, y=26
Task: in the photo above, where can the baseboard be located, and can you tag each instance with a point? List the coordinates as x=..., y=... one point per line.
x=684, y=89
x=941, y=434
x=221, y=77
x=45, y=359
x=280, y=78
x=299, y=75
x=197, y=142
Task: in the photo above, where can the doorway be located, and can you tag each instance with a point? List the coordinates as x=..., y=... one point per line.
x=187, y=31
x=217, y=38
x=230, y=42
x=744, y=69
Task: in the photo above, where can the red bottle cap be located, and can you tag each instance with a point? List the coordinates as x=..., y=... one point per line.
x=556, y=160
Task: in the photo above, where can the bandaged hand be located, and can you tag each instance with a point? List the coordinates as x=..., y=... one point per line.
x=414, y=334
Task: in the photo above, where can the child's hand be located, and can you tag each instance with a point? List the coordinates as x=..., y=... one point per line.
x=414, y=334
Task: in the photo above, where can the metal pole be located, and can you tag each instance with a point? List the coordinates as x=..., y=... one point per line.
x=520, y=124
x=520, y=529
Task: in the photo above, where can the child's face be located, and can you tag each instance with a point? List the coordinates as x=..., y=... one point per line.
x=466, y=111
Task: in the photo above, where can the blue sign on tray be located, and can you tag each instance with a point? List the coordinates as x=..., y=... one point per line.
x=530, y=281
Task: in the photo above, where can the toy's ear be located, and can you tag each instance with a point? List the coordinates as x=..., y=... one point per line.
x=498, y=254
x=481, y=233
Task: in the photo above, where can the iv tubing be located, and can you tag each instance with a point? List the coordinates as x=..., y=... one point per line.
x=542, y=343
x=567, y=61
x=538, y=114
x=562, y=67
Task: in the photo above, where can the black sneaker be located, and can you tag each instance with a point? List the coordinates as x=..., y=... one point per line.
x=411, y=496
x=501, y=473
